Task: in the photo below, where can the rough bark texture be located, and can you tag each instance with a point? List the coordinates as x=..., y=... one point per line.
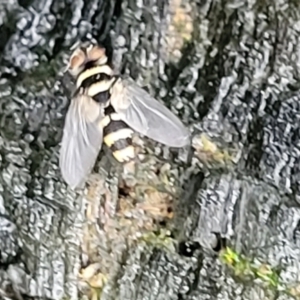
x=230, y=70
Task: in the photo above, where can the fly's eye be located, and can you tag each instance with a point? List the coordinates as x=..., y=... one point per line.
x=96, y=53
x=76, y=61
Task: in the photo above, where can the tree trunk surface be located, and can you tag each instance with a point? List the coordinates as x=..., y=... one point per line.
x=218, y=221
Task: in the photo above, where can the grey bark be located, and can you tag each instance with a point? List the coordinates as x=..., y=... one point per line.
x=230, y=70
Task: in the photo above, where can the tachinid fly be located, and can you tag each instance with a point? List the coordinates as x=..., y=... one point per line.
x=107, y=108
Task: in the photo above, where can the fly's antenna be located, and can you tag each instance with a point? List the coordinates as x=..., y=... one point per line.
x=88, y=39
x=75, y=45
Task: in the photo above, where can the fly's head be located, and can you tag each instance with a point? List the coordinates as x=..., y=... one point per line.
x=86, y=53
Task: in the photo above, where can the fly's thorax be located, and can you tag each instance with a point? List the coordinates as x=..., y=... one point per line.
x=95, y=72
x=117, y=135
x=96, y=81
x=101, y=87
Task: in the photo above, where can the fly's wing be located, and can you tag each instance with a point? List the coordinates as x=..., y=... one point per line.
x=81, y=141
x=147, y=116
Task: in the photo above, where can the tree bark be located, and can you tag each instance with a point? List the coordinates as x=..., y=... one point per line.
x=230, y=70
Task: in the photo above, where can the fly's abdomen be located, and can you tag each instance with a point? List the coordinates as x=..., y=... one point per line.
x=118, y=137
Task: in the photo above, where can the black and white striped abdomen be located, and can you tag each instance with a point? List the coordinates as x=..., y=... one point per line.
x=117, y=135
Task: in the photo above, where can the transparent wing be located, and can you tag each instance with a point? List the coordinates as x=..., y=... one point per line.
x=147, y=116
x=81, y=141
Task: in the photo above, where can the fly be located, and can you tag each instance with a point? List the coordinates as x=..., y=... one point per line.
x=107, y=108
